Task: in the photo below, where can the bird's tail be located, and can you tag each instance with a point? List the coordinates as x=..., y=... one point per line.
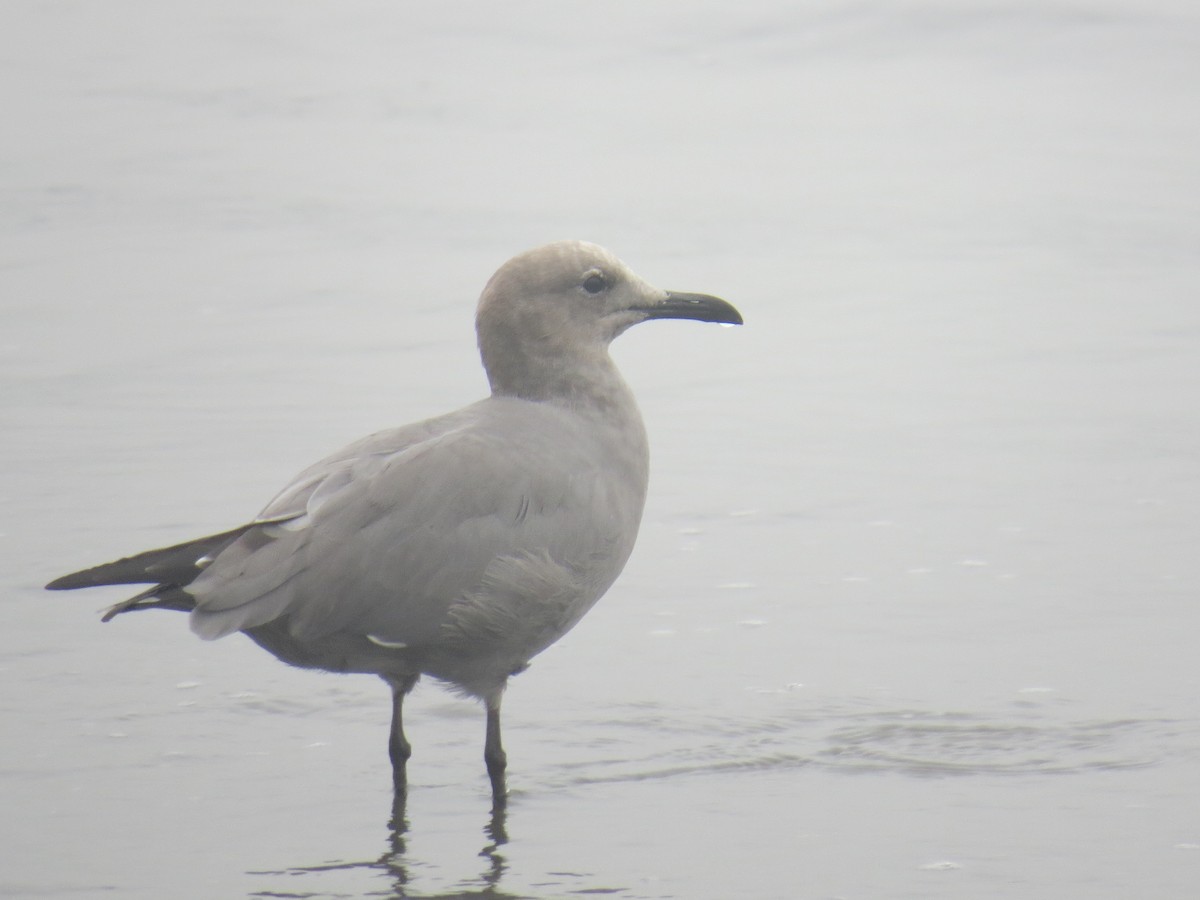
x=169, y=569
x=161, y=596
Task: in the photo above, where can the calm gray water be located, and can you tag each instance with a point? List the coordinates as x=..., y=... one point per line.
x=914, y=609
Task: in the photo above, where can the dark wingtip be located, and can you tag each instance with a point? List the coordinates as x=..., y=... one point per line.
x=93, y=577
x=65, y=583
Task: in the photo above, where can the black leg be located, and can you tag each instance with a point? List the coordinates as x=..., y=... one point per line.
x=493, y=754
x=399, y=749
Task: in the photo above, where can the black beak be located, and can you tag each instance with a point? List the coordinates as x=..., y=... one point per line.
x=700, y=307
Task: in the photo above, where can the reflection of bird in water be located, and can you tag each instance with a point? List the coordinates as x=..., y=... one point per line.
x=463, y=545
x=394, y=864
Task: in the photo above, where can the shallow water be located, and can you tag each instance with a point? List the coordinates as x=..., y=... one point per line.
x=913, y=611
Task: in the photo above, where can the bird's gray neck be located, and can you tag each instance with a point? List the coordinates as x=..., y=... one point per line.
x=585, y=382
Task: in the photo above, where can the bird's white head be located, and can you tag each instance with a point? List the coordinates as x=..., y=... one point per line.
x=547, y=316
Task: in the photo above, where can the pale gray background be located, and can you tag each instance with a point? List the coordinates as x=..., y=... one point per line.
x=914, y=611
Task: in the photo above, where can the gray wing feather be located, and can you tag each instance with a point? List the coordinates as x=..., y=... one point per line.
x=385, y=537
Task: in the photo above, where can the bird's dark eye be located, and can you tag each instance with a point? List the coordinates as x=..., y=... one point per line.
x=594, y=283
